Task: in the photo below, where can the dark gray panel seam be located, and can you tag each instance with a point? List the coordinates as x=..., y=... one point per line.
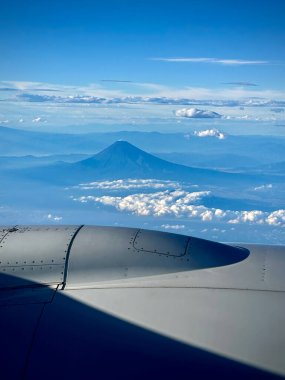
x=26, y=364
x=7, y=233
x=159, y=253
x=30, y=265
x=187, y=246
x=68, y=254
x=177, y=287
x=29, y=353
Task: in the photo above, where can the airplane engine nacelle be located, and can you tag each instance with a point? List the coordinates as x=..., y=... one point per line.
x=80, y=255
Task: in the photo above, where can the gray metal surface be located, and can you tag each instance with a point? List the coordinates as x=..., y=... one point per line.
x=34, y=253
x=161, y=243
x=219, y=298
x=112, y=253
x=263, y=269
x=247, y=326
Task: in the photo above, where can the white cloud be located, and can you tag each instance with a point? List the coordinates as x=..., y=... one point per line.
x=212, y=60
x=54, y=217
x=147, y=93
x=70, y=104
x=276, y=218
x=195, y=113
x=38, y=120
x=180, y=203
x=157, y=204
x=210, y=133
x=129, y=184
x=173, y=226
x=263, y=187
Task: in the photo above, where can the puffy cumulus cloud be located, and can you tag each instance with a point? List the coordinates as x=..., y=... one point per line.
x=129, y=184
x=210, y=133
x=195, y=113
x=173, y=226
x=177, y=202
x=276, y=218
x=54, y=217
x=180, y=203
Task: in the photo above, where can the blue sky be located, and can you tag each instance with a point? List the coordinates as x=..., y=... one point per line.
x=80, y=42
x=183, y=48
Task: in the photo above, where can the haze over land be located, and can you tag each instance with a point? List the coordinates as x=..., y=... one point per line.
x=164, y=115
x=221, y=189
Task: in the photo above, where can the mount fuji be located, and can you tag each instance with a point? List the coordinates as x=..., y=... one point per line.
x=124, y=160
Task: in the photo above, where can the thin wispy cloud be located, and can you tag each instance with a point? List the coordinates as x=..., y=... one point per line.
x=23, y=86
x=243, y=84
x=212, y=60
x=116, y=81
x=8, y=89
x=144, y=92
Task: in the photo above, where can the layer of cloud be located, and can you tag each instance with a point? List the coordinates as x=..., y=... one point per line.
x=129, y=184
x=210, y=133
x=146, y=93
x=195, y=113
x=22, y=86
x=180, y=203
x=104, y=97
x=187, y=97
x=157, y=204
x=212, y=60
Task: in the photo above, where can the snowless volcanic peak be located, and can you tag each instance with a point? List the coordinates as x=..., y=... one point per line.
x=196, y=113
x=122, y=154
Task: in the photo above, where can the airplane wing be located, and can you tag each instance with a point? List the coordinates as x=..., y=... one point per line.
x=116, y=303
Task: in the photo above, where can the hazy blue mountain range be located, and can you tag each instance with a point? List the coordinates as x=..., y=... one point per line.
x=259, y=149
x=277, y=168
x=45, y=187
x=124, y=160
x=17, y=162
x=223, y=161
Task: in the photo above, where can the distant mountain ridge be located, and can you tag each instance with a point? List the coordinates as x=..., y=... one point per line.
x=20, y=142
x=123, y=160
